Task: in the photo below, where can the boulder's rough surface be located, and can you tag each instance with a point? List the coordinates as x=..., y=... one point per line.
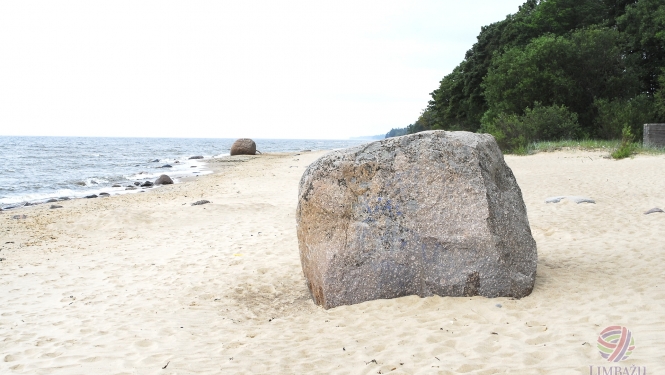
x=433, y=213
x=243, y=146
x=164, y=180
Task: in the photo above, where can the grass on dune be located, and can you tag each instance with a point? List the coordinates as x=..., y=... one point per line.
x=610, y=146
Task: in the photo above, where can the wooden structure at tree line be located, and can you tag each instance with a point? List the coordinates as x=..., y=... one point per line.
x=654, y=135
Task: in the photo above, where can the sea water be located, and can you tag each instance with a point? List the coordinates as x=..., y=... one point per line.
x=36, y=169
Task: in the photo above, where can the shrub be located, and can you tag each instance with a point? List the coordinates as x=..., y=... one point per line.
x=509, y=132
x=627, y=147
x=614, y=115
x=542, y=123
x=551, y=123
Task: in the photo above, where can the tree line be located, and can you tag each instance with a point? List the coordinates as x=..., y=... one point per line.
x=557, y=69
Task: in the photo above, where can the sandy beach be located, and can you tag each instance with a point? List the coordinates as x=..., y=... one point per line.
x=148, y=284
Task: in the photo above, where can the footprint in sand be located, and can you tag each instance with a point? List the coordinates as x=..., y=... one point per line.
x=143, y=343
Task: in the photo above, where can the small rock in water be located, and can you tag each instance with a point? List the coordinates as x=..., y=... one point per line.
x=91, y=196
x=104, y=194
x=167, y=166
x=116, y=185
x=80, y=183
x=51, y=200
x=176, y=162
x=130, y=188
x=155, y=161
x=147, y=183
x=198, y=203
x=193, y=166
x=137, y=183
x=64, y=198
x=164, y=180
x=54, y=206
x=653, y=211
x=196, y=157
x=28, y=204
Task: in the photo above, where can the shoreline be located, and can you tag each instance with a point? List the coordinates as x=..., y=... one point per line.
x=148, y=283
x=37, y=169
x=205, y=168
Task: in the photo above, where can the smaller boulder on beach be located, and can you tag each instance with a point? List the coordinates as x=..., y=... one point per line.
x=163, y=180
x=146, y=184
x=243, y=146
x=166, y=166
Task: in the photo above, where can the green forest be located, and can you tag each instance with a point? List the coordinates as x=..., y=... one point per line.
x=555, y=70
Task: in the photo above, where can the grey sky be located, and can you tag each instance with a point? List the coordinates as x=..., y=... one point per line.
x=263, y=69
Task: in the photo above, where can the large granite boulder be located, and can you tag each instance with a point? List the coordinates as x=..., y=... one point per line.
x=243, y=146
x=433, y=213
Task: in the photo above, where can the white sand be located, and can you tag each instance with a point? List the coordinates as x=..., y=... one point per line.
x=129, y=284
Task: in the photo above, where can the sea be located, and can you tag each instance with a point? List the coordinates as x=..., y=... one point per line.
x=36, y=170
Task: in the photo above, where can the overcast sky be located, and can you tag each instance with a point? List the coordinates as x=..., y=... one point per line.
x=226, y=69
